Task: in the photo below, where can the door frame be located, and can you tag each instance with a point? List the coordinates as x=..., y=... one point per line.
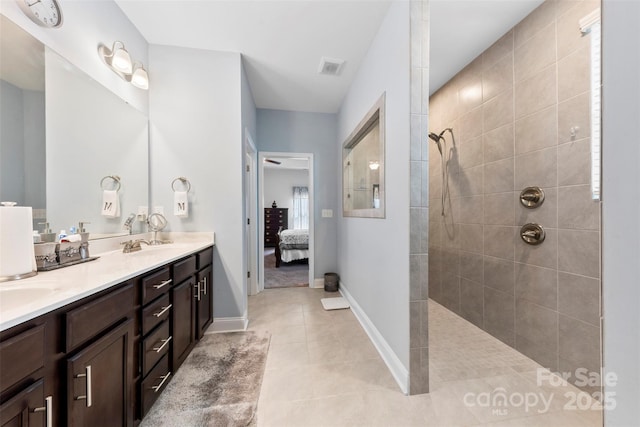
x=261, y=157
x=251, y=213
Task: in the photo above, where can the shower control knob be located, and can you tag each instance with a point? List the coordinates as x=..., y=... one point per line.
x=532, y=234
x=532, y=197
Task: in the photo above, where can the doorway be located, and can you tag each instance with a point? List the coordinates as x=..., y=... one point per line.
x=286, y=234
x=250, y=201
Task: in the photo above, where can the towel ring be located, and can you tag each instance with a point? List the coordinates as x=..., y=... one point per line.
x=184, y=181
x=114, y=178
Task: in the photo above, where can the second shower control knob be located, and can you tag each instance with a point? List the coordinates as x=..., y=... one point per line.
x=532, y=234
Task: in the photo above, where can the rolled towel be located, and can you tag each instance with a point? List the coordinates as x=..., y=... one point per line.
x=110, y=204
x=71, y=238
x=180, y=204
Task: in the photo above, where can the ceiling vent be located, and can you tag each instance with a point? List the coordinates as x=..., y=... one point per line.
x=330, y=66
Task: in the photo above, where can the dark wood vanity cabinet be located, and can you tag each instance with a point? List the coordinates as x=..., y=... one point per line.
x=99, y=381
x=193, y=302
x=104, y=360
x=27, y=409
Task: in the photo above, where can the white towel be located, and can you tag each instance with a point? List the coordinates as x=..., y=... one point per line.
x=110, y=204
x=180, y=204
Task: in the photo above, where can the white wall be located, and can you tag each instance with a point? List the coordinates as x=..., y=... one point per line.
x=298, y=132
x=373, y=254
x=621, y=207
x=196, y=132
x=86, y=25
x=278, y=186
x=91, y=133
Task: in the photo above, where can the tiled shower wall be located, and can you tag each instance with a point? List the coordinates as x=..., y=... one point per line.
x=419, y=200
x=512, y=110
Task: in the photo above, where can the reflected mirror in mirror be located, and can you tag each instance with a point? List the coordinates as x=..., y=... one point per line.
x=22, y=119
x=79, y=133
x=363, y=166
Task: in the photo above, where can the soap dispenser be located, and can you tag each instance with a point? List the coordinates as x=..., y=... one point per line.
x=47, y=235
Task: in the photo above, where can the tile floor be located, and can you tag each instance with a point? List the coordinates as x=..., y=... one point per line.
x=322, y=370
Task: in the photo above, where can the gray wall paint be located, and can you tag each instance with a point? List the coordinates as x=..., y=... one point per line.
x=11, y=149
x=22, y=146
x=373, y=254
x=196, y=132
x=621, y=209
x=288, y=131
x=34, y=149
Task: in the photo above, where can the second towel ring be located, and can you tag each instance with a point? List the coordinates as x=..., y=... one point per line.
x=114, y=178
x=184, y=181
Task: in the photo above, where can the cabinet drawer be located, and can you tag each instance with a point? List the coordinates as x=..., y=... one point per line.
x=154, y=384
x=89, y=320
x=155, y=313
x=155, y=346
x=183, y=269
x=205, y=258
x=14, y=411
x=21, y=355
x=155, y=285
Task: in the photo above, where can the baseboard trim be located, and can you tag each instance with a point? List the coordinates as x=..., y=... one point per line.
x=397, y=369
x=318, y=283
x=228, y=324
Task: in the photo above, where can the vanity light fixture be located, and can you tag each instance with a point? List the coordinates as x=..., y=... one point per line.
x=140, y=78
x=119, y=61
x=374, y=165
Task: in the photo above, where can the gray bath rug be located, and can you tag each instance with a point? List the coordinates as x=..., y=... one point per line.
x=217, y=385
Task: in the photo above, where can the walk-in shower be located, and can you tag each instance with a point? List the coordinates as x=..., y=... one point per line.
x=441, y=142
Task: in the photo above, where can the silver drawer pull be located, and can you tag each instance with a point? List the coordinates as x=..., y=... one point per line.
x=48, y=408
x=156, y=388
x=162, y=284
x=164, y=343
x=163, y=311
x=198, y=289
x=87, y=396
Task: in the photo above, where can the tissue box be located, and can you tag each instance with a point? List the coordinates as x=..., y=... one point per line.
x=69, y=251
x=46, y=254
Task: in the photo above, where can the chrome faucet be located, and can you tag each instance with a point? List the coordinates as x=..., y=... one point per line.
x=133, y=245
x=128, y=224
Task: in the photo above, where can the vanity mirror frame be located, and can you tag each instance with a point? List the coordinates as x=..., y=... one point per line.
x=373, y=122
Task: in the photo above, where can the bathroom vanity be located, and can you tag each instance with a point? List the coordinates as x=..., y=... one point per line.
x=96, y=344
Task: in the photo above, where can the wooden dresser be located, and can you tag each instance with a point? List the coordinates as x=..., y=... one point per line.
x=274, y=218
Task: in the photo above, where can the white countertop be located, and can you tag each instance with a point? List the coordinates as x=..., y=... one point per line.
x=26, y=299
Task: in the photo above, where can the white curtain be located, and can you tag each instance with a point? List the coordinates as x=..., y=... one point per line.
x=300, y=208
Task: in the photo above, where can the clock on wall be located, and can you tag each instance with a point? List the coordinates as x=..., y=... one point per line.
x=43, y=12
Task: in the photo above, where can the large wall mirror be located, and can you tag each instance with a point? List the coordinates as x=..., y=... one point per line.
x=61, y=134
x=363, y=190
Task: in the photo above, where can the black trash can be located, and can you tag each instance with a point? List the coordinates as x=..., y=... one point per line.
x=331, y=282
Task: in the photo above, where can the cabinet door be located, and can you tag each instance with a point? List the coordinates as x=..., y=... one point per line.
x=28, y=408
x=184, y=320
x=205, y=300
x=99, y=381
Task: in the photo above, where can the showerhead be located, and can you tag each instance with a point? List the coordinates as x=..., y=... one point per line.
x=436, y=138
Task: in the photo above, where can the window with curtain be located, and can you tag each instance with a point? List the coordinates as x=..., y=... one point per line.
x=300, y=208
